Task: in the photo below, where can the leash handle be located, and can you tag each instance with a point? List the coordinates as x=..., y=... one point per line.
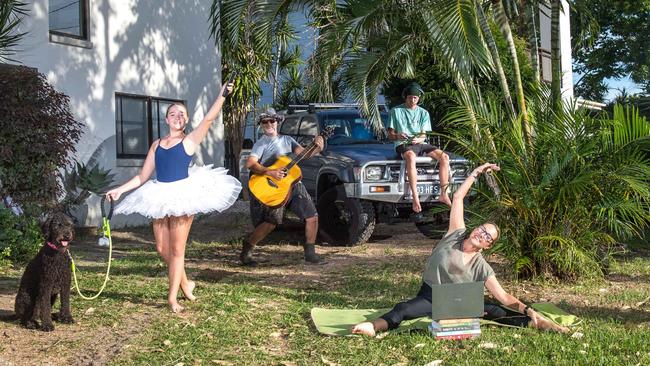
x=110, y=212
x=106, y=234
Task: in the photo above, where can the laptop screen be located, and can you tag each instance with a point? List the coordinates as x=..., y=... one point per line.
x=457, y=300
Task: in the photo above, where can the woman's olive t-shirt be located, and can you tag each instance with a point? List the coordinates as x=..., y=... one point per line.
x=445, y=265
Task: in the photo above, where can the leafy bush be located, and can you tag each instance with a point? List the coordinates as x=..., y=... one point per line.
x=38, y=135
x=20, y=237
x=567, y=198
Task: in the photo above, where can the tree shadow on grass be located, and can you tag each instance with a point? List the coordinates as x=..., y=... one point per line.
x=8, y=316
x=145, y=270
x=622, y=278
x=631, y=316
x=9, y=285
x=122, y=297
x=211, y=275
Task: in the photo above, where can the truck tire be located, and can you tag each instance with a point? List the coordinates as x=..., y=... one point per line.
x=342, y=220
x=434, y=227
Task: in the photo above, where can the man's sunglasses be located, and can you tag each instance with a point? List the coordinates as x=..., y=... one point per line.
x=265, y=121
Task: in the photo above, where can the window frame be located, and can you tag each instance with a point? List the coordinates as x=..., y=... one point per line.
x=82, y=40
x=302, y=139
x=149, y=107
x=288, y=121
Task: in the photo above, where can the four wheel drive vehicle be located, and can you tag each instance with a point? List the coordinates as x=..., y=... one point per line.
x=358, y=180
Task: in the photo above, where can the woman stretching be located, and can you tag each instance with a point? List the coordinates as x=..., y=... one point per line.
x=457, y=259
x=177, y=194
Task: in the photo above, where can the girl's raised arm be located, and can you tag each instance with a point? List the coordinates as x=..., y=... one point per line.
x=197, y=135
x=456, y=215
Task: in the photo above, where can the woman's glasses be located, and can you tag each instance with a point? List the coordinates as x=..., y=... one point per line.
x=485, y=234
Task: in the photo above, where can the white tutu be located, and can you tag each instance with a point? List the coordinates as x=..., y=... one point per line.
x=205, y=190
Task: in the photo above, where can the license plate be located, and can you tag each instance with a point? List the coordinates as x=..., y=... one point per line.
x=425, y=189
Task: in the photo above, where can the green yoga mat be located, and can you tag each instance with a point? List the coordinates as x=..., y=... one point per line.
x=339, y=322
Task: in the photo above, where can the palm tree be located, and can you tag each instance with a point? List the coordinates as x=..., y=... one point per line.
x=246, y=57
x=504, y=26
x=293, y=83
x=531, y=10
x=485, y=28
x=582, y=187
x=556, y=71
x=284, y=33
x=571, y=183
x=11, y=15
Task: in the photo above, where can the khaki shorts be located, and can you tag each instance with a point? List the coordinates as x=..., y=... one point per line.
x=299, y=203
x=418, y=149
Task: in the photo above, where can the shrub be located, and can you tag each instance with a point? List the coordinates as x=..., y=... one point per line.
x=37, y=134
x=20, y=237
x=566, y=199
x=80, y=181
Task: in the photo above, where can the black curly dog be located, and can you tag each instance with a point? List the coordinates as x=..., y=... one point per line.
x=46, y=276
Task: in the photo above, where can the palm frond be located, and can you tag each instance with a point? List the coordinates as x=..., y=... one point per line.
x=11, y=15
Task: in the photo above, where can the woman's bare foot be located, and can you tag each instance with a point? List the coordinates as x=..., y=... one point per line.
x=546, y=324
x=175, y=307
x=187, y=292
x=365, y=328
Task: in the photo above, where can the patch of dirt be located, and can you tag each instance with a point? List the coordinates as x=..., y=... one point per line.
x=75, y=344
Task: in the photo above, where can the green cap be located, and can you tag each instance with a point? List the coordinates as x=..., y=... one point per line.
x=413, y=89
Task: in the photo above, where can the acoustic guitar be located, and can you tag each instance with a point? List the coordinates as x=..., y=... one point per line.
x=273, y=192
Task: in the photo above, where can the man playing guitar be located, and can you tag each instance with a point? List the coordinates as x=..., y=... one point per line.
x=265, y=151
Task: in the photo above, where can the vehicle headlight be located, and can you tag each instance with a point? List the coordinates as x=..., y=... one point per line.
x=374, y=173
x=460, y=171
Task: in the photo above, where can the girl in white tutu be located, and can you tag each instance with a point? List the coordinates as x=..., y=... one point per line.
x=178, y=193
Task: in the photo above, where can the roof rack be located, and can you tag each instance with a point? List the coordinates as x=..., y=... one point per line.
x=313, y=107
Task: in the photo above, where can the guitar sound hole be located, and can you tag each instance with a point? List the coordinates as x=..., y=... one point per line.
x=271, y=183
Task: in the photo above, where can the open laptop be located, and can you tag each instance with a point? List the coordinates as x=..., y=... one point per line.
x=457, y=300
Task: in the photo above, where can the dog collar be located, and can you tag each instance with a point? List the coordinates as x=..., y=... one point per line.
x=52, y=245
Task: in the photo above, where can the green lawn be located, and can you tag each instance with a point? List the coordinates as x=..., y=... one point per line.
x=261, y=316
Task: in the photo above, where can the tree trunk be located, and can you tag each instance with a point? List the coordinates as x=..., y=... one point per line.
x=532, y=12
x=556, y=70
x=504, y=26
x=276, y=72
x=235, y=134
x=492, y=46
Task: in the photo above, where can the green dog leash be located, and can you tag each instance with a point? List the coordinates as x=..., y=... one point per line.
x=106, y=235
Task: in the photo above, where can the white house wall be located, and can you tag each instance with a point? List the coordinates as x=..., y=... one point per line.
x=565, y=46
x=158, y=48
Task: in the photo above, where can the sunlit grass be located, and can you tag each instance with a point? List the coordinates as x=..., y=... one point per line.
x=248, y=317
x=241, y=321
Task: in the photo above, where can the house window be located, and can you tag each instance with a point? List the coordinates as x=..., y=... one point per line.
x=139, y=120
x=69, y=18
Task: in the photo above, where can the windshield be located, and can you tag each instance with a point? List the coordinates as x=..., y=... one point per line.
x=352, y=129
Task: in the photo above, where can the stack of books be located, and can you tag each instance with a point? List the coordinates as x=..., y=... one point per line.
x=455, y=328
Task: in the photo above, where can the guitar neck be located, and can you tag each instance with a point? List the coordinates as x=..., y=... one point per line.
x=308, y=150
